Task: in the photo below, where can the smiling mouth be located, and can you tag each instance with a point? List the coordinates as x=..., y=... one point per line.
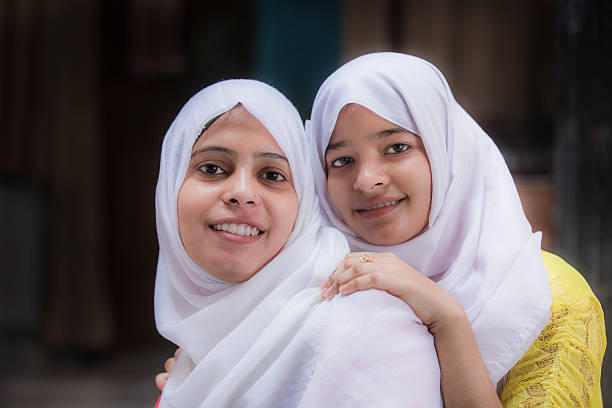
x=244, y=230
x=381, y=205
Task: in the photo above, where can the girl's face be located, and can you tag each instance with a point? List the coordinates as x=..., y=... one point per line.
x=237, y=205
x=378, y=177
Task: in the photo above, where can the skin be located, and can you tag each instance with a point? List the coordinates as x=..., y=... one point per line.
x=369, y=161
x=372, y=161
x=236, y=179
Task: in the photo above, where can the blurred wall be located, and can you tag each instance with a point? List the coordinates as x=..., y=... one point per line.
x=88, y=89
x=50, y=124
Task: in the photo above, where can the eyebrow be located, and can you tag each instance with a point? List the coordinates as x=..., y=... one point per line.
x=389, y=132
x=380, y=134
x=336, y=146
x=225, y=150
x=214, y=149
x=271, y=155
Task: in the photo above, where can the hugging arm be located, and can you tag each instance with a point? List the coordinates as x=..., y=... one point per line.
x=162, y=378
x=464, y=379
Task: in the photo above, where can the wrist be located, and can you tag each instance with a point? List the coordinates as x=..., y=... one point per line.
x=452, y=321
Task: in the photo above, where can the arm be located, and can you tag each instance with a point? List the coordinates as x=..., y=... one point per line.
x=564, y=363
x=464, y=379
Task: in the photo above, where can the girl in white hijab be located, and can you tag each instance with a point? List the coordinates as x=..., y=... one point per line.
x=401, y=168
x=242, y=255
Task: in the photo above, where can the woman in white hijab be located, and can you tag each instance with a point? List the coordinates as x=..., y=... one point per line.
x=419, y=190
x=242, y=255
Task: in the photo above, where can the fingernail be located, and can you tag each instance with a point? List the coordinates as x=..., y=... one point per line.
x=344, y=289
x=328, y=293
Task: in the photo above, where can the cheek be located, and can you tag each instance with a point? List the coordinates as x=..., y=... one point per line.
x=183, y=205
x=284, y=212
x=421, y=181
x=192, y=202
x=291, y=211
x=337, y=190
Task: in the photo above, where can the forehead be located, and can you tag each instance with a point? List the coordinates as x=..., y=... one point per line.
x=354, y=115
x=237, y=127
x=356, y=122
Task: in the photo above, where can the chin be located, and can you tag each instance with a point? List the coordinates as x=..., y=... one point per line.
x=385, y=238
x=234, y=273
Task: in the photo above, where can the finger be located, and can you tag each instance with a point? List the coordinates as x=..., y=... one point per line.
x=160, y=380
x=365, y=282
x=358, y=256
x=351, y=273
x=177, y=352
x=330, y=292
x=346, y=262
x=169, y=364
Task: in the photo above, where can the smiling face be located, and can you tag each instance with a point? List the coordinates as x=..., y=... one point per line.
x=237, y=204
x=378, y=177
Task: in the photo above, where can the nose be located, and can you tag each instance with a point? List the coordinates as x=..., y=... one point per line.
x=241, y=191
x=371, y=177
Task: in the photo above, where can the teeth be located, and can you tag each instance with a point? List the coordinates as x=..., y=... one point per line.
x=379, y=205
x=239, y=229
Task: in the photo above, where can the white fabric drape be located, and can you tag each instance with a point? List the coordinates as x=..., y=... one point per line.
x=479, y=246
x=270, y=341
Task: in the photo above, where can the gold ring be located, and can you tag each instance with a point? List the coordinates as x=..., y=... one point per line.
x=366, y=259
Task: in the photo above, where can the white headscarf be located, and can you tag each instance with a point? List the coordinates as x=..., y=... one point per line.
x=479, y=246
x=231, y=334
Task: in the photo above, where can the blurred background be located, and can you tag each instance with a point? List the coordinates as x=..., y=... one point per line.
x=89, y=87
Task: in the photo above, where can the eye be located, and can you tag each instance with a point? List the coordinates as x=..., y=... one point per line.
x=341, y=161
x=397, y=148
x=211, y=170
x=273, y=176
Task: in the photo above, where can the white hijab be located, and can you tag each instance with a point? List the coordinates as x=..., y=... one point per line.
x=231, y=334
x=479, y=246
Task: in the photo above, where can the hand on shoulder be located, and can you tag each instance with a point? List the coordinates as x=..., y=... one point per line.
x=385, y=271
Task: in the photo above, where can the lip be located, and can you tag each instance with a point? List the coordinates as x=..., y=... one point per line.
x=378, y=212
x=376, y=201
x=236, y=238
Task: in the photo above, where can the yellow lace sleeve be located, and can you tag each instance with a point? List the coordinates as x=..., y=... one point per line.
x=562, y=368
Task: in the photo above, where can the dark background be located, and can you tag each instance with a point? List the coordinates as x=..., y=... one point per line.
x=89, y=87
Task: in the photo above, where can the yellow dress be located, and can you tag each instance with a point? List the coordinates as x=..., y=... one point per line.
x=562, y=368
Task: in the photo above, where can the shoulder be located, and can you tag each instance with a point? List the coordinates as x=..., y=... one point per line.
x=371, y=303
x=564, y=363
x=565, y=280
x=374, y=352
x=374, y=326
x=574, y=306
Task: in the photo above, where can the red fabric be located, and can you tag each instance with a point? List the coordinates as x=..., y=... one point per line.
x=158, y=400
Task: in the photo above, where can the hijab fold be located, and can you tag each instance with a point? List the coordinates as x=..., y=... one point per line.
x=479, y=245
